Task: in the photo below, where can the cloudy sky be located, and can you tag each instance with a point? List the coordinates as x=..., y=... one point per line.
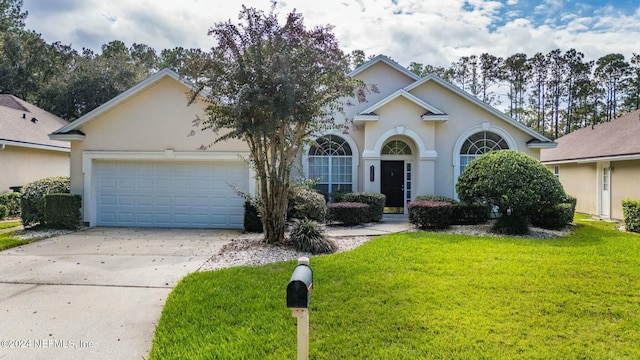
x=435, y=32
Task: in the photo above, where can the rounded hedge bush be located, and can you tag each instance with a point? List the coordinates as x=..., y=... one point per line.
x=348, y=213
x=514, y=182
x=12, y=202
x=306, y=235
x=4, y=212
x=427, y=214
x=306, y=203
x=435, y=198
x=375, y=201
x=32, y=203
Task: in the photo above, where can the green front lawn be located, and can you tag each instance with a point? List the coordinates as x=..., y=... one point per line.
x=6, y=238
x=424, y=295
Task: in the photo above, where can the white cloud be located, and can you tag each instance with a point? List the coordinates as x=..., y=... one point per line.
x=435, y=32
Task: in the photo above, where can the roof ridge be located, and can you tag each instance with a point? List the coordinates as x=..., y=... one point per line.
x=9, y=101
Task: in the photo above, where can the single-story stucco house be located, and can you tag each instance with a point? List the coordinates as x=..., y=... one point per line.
x=599, y=165
x=26, y=152
x=136, y=163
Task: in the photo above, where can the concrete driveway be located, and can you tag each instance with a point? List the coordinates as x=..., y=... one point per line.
x=95, y=294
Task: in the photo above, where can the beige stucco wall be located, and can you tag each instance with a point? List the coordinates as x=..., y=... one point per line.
x=580, y=181
x=625, y=184
x=385, y=79
x=155, y=119
x=437, y=176
x=21, y=165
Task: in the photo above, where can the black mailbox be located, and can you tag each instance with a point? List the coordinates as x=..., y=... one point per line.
x=299, y=288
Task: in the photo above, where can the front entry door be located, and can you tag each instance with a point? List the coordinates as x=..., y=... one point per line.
x=392, y=186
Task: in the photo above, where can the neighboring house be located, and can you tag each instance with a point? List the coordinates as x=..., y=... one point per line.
x=26, y=152
x=599, y=165
x=135, y=165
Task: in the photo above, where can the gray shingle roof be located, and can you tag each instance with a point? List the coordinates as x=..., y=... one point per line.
x=27, y=125
x=619, y=137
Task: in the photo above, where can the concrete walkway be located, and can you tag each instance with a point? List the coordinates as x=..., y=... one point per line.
x=390, y=224
x=94, y=294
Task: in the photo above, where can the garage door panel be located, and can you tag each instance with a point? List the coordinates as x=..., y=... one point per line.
x=176, y=194
x=124, y=217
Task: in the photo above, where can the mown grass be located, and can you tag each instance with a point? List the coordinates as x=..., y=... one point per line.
x=424, y=295
x=7, y=239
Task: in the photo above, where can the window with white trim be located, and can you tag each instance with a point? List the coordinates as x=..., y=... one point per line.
x=478, y=144
x=556, y=171
x=330, y=161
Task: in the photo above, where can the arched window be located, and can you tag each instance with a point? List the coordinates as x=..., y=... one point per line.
x=330, y=160
x=478, y=144
x=396, y=147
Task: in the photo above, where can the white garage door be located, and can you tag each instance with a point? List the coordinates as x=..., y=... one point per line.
x=170, y=194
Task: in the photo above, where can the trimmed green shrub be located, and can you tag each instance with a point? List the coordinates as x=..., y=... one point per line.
x=337, y=196
x=12, y=202
x=427, y=214
x=375, y=201
x=4, y=212
x=62, y=211
x=348, y=213
x=252, y=220
x=469, y=214
x=556, y=216
x=435, y=198
x=631, y=212
x=32, y=202
x=306, y=203
x=306, y=235
x=514, y=182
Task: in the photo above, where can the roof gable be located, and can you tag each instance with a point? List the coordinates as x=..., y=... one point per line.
x=26, y=125
x=432, y=113
x=542, y=141
x=385, y=60
x=71, y=130
x=617, y=138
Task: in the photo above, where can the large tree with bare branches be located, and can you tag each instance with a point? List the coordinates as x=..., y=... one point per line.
x=272, y=86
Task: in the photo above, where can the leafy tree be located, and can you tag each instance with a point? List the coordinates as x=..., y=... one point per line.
x=632, y=101
x=555, y=83
x=577, y=77
x=424, y=70
x=24, y=63
x=11, y=16
x=538, y=66
x=465, y=74
x=514, y=182
x=189, y=63
x=273, y=86
x=490, y=66
x=516, y=73
x=358, y=58
x=611, y=70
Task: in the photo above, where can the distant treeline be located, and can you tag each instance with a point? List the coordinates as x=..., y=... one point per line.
x=553, y=93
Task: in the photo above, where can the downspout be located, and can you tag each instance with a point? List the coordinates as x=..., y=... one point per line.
x=3, y=146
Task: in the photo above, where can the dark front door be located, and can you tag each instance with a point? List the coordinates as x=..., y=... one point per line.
x=392, y=185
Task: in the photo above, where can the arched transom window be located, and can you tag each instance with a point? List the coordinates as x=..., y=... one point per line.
x=478, y=144
x=396, y=147
x=330, y=161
